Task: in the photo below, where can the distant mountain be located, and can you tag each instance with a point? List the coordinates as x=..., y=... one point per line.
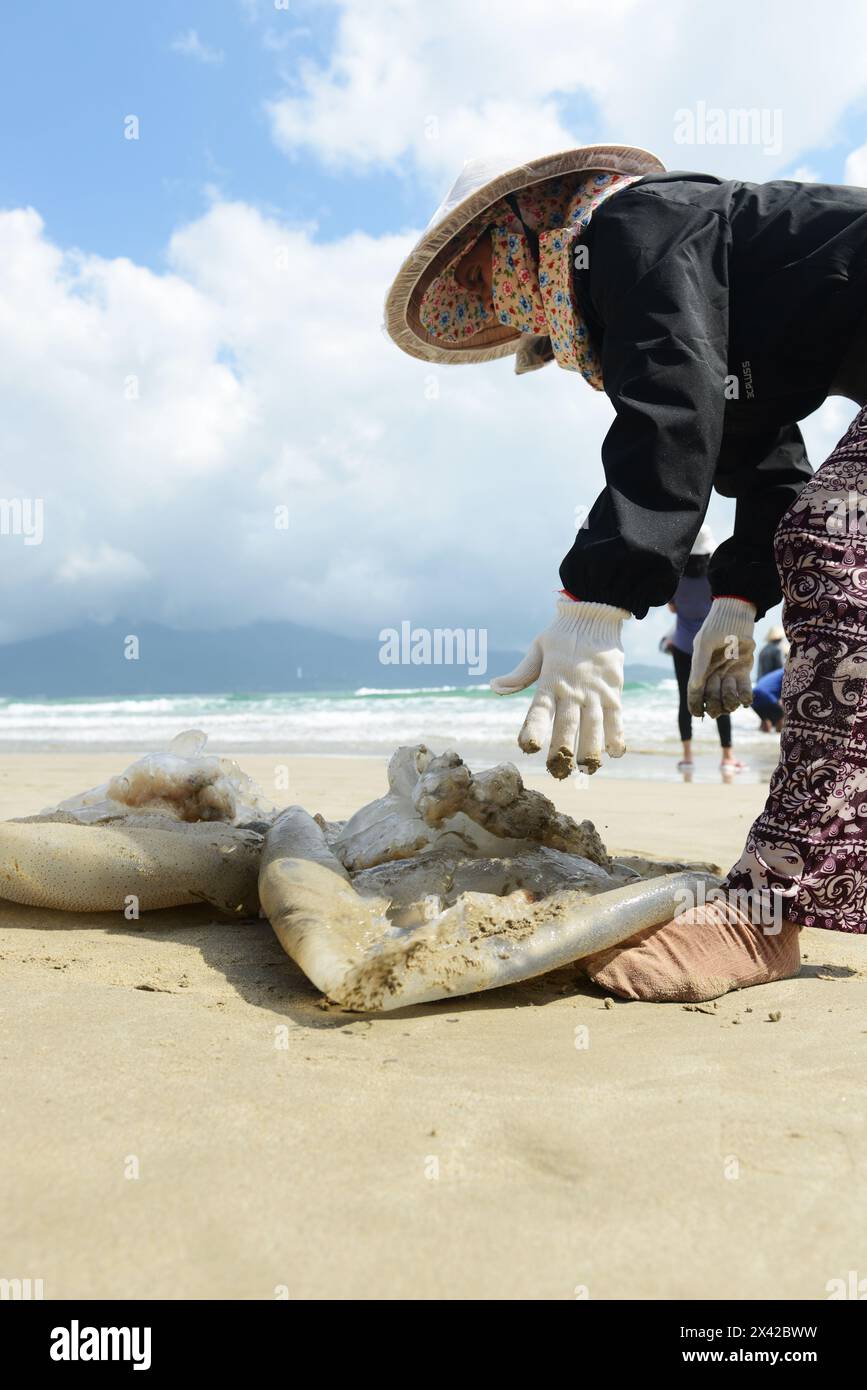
x=260, y=658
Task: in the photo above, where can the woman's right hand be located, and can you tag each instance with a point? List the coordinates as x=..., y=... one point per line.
x=578, y=663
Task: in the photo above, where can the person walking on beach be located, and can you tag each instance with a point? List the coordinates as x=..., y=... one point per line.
x=715, y=314
x=692, y=603
x=772, y=656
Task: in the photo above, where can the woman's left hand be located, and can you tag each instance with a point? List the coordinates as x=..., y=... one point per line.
x=722, y=659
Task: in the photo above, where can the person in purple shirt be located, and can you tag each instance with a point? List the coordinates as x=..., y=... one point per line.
x=691, y=603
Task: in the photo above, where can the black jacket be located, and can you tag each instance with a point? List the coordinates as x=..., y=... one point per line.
x=721, y=312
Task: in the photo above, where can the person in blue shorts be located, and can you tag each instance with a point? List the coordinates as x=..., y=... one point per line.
x=766, y=700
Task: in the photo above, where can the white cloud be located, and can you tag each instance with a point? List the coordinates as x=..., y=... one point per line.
x=163, y=418
x=497, y=78
x=104, y=565
x=856, y=167
x=191, y=46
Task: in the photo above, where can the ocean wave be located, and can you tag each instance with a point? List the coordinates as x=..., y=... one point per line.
x=367, y=720
x=412, y=689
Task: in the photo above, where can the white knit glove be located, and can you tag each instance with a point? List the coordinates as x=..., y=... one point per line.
x=578, y=662
x=722, y=659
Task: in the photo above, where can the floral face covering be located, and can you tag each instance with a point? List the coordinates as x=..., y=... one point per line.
x=532, y=298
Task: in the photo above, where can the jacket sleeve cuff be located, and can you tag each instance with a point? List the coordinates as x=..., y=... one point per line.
x=758, y=584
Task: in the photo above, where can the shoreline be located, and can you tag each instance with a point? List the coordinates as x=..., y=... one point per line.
x=652, y=764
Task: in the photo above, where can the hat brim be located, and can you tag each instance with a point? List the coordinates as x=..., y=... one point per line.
x=436, y=245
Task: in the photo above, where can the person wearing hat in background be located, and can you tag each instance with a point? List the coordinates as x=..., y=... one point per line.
x=691, y=603
x=714, y=314
x=772, y=656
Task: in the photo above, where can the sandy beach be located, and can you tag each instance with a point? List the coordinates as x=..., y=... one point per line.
x=184, y=1117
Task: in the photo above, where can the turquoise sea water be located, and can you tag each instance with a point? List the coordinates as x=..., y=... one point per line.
x=480, y=724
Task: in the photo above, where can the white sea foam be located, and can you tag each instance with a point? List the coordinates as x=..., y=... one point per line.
x=368, y=721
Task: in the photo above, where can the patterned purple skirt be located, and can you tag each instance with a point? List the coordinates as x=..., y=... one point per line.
x=810, y=843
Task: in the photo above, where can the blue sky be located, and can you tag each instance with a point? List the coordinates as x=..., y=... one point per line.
x=164, y=386
x=70, y=74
